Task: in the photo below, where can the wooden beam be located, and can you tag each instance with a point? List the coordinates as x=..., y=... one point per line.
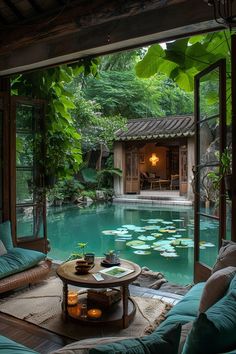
x=35, y=6
x=85, y=37
x=14, y=9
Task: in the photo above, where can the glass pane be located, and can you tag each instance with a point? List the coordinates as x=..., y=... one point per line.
x=24, y=149
x=209, y=191
x=209, y=95
x=208, y=247
x=24, y=186
x=209, y=141
x=29, y=222
x=24, y=117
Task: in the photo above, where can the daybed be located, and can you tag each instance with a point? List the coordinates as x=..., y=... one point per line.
x=207, y=315
x=19, y=266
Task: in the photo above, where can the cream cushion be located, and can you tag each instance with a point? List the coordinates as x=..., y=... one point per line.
x=83, y=346
x=216, y=287
x=226, y=256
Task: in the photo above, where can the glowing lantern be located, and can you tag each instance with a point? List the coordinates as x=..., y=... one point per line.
x=154, y=159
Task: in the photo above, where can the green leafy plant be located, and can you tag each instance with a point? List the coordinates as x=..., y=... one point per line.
x=78, y=254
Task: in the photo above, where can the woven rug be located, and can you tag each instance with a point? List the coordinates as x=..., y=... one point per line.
x=41, y=305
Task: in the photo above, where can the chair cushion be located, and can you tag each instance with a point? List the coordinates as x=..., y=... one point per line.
x=226, y=256
x=18, y=259
x=216, y=287
x=152, y=344
x=2, y=249
x=5, y=234
x=214, y=331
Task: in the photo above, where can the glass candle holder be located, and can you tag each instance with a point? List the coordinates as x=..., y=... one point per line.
x=83, y=311
x=94, y=313
x=72, y=298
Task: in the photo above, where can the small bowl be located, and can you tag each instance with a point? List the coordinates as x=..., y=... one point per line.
x=83, y=267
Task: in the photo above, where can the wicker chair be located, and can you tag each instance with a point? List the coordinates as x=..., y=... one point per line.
x=26, y=277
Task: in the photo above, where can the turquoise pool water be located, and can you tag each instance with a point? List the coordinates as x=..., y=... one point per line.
x=164, y=235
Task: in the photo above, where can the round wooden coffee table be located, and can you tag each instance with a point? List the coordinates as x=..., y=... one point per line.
x=124, y=311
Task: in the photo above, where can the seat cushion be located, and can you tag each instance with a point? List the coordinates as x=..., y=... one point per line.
x=18, y=259
x=8, y=346
x=5, y=234
x=152, y=344
x=215, y=287
x=214, y=331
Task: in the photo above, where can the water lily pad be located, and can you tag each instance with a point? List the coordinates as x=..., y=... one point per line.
x=109, y=232
x=146, y=238
x=142, y=247
x=209, y=244
x=153, y=227
x=135, y=243
x=129, y=227
x=142, y=253
x=172, y=231
x=167, y=222
x=169, y=255
x=163, y=230
x=120, y=240
x=181, y=230
x=170, y=238
x=177, y=220
x=157, y=234
x=177, y=235
x=124, y=232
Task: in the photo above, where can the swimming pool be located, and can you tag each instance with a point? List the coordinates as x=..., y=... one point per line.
x=160, y=238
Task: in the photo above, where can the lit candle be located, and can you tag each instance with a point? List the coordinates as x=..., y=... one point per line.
x=94, y=313
x=72, y=298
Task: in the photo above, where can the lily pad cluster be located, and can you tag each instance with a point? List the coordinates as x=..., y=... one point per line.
x=159, y=235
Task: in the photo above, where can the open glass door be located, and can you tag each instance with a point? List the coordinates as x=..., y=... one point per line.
x=27, y=154
x=210, y=125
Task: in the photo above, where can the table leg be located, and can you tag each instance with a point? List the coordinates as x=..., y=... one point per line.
x=64, y=301
x=125, y=296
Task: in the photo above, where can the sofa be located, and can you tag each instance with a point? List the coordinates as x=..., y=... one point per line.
x=203, y=322
x=19, y=266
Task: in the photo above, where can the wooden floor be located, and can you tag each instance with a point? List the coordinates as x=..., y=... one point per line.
x=31, y=336
x=44, y=342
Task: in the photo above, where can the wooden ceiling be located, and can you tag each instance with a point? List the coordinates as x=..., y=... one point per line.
x=37, y=33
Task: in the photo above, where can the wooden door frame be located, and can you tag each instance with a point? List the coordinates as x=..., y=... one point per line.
x=40, y=244
x=233, y=87
x=202, y=271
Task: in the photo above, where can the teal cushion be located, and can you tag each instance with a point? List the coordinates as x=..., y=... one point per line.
x=18, y=259
x=5, y=234
x=8, y=346
x=189, y=305
x=214, y=331
x=232, y=285
x=151, y=344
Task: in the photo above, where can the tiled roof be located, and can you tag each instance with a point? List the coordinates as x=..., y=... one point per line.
x=154, y=128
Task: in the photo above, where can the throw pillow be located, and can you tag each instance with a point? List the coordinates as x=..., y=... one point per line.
x=5, y=234
x=2, y=249
x=214, y=330
x=226, y=256
x=152, y=344
x=216, y=287
x=185, y=330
